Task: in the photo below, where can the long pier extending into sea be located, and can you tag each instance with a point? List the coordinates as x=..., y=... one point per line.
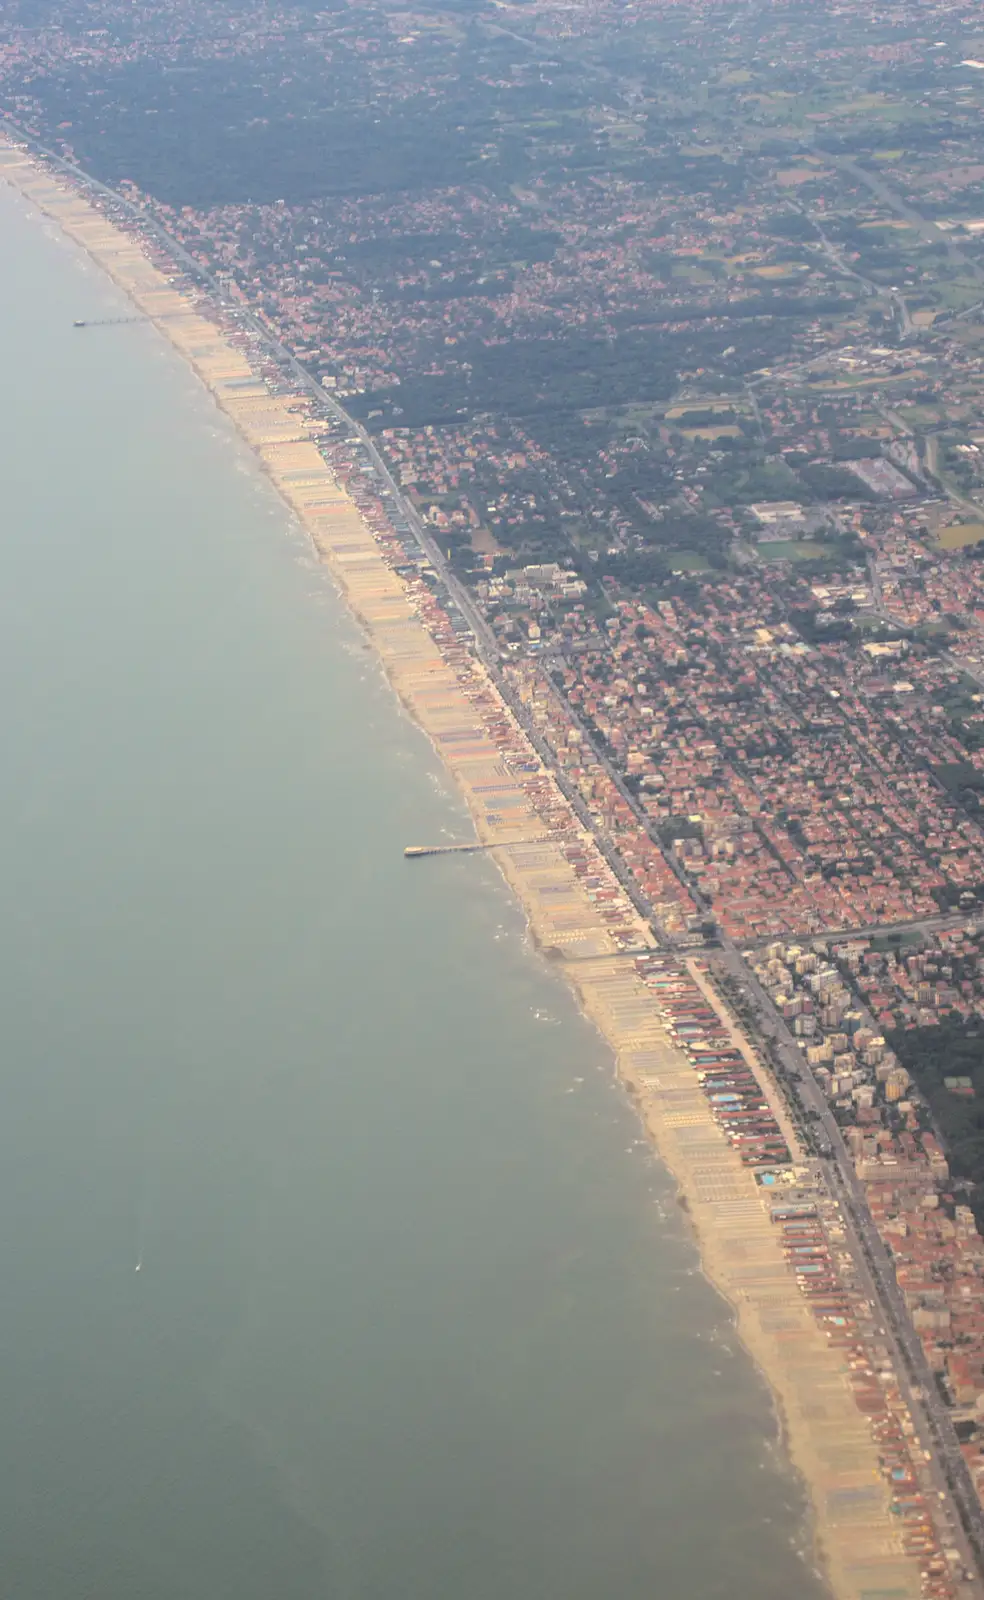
x=414, y=850
x=107, y=322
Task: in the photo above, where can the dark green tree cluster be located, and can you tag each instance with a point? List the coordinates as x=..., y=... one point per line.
x=952, y=1048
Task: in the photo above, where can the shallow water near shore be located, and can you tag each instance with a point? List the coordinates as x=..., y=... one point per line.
x=416, y=1314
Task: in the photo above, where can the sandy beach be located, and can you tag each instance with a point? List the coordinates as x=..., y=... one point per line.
x=519, y=812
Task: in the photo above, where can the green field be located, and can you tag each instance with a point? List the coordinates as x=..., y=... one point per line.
x=792, y=550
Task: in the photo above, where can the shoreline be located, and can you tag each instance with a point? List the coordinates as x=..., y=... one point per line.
x=511, y=795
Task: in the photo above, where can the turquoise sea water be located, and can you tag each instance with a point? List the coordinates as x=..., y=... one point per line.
x=416, y=1317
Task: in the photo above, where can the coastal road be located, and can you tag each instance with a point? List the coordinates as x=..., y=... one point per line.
x=948, y=1469
x=930, y=1414
x=931, y=1418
